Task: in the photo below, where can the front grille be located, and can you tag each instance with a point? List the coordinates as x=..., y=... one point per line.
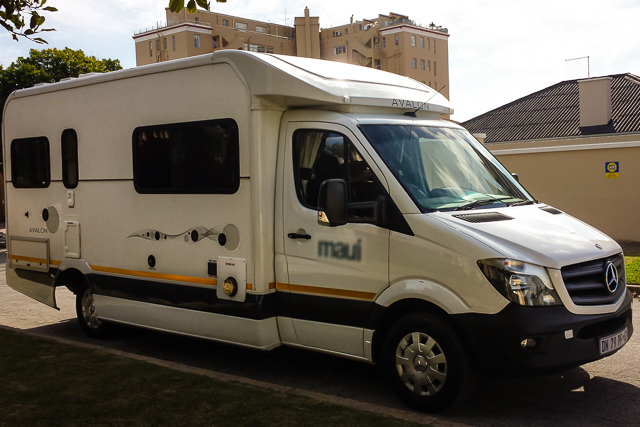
x=483, y=217
x=586, y=283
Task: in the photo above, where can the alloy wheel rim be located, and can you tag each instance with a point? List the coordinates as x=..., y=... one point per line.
x=89, y=310
x=421, y=364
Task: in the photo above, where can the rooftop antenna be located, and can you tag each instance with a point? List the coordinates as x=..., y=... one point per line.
x=413, y=113
x=588, y=67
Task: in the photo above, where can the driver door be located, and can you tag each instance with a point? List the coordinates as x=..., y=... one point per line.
x=335, y=273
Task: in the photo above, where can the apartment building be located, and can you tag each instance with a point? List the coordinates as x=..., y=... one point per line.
x=391, y=42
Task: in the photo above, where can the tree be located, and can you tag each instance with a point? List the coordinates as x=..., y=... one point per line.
x=14, y=12
x=14, y=15
x=48, y=66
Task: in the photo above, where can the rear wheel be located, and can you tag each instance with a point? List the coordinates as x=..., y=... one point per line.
x=426, y=362
x=87, y=317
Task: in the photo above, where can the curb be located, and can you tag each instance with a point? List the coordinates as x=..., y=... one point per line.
x=635, y=290
x=349, y=403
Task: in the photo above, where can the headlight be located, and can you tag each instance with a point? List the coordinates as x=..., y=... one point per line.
x=522, y=283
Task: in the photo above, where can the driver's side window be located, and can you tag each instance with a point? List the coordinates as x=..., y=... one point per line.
x=319, y=155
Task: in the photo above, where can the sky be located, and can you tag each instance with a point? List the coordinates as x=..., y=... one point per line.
x=499, y=50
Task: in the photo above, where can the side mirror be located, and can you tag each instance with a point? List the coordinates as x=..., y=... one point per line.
x=515, y=176
x=332, y=203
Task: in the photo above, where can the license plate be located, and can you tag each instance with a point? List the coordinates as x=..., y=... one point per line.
x=613, y=342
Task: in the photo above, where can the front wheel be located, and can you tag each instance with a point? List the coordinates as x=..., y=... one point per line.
x=86, y=312
x=426, y=362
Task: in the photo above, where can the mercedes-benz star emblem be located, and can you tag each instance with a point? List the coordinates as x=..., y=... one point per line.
x=611, y=277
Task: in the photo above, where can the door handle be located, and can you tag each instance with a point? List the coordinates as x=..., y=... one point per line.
x=298, y=236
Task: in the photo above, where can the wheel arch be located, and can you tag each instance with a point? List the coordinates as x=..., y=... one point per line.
x=402, y=307
x=72, y=278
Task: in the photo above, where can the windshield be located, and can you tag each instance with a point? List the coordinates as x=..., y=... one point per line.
x=443, y=168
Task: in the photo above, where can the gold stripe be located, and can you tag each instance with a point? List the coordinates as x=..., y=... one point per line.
x=29, y=259
x=249, y=287
x=288, y=287
x=272, y=285
x=152, y=275
x=54, y=262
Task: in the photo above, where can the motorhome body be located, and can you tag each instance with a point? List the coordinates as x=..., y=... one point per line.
x=199, y=197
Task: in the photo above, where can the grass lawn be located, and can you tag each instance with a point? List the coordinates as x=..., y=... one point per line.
x=45, y=383
x=633, y=270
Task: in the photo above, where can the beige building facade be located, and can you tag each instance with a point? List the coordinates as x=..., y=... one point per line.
x=576, y=146
x=391, y=42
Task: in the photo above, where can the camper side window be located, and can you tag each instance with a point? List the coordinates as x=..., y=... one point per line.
x=320, y=155
x=195, y=157
x=30, y=163
x=69, y=145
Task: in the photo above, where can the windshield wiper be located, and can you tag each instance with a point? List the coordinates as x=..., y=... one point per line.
x=478, y=202
x=524, y=202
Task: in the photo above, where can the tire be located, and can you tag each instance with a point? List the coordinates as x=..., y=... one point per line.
x=427, y=363
x=86, y=312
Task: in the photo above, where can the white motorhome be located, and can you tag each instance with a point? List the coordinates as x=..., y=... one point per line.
x=266, y=200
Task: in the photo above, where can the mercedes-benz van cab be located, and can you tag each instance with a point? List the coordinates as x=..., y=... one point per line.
x=267, y=200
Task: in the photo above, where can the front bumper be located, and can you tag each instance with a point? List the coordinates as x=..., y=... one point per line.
x=564, y=339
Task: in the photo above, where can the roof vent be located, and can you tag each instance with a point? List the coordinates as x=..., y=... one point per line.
x=595, y=101
x=551, y=210
x=483, y=217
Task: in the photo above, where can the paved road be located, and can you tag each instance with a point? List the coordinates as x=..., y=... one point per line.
x=603, y=393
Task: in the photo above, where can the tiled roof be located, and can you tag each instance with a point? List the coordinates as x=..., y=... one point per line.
x=554, y=112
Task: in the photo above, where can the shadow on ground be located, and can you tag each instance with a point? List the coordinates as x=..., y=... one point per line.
x=571, y=399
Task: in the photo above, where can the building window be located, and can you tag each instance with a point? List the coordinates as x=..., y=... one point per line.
x=197, y=40
x=377, y=64
x=435, y=71
x=346, y=31
x=241, y=26
x=429, y=66
x=377, y=46
x=196, y=158
x=30, y=163
x=164, y=43
x=413, y=40
x=414, y=63
x=246, y=46
x=253, y=47
x=339, y=50
x=359, y=27
x=337, y=34
x=434, y=49
x=396, y=40
x=225, y=22
x=428, y=43
x=150, y=48
x=269, y=49
x=384, y=42
x=422, y=64
x=197, y=19
x=158, y=45
x=422, y=42
x=69, y=145
x=174, y=42
x=215, y=42
x=260, y=29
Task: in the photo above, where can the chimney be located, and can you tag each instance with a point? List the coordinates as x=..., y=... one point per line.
x=595, y=101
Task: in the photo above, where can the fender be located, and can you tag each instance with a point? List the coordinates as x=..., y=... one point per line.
x=78, y=263
x=425, y=290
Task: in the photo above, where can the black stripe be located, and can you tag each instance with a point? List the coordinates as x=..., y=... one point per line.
x=256, y=307
x=339, y=311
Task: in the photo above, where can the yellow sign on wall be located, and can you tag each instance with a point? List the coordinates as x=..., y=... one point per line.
x=612, y=170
